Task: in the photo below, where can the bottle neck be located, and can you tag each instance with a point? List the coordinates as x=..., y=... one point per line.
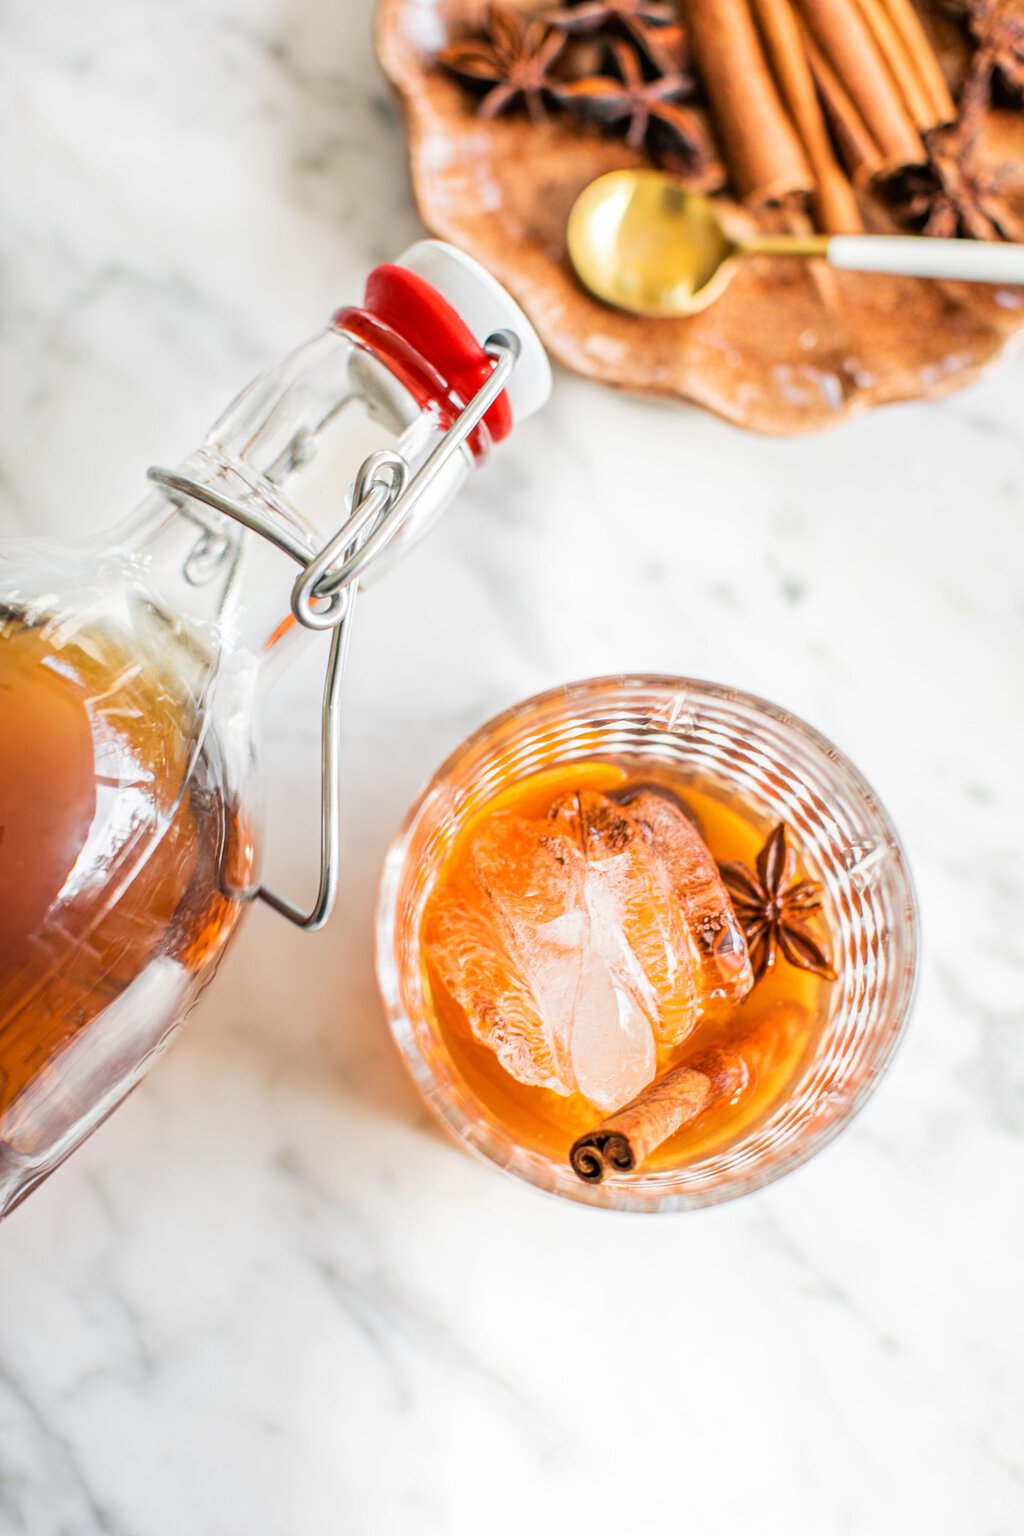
x=288, y=449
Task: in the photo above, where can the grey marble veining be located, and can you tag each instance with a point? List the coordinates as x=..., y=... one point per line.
x=269, y=1297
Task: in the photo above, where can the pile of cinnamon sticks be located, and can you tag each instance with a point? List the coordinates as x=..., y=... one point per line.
x=816, y=97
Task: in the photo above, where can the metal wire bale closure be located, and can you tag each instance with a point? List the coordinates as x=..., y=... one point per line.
x=385, y=494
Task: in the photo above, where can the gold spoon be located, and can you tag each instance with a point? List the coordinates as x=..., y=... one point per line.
x=642, y=242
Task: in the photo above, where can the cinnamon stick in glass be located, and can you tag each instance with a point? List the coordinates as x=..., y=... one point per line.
x=834, y=200
x=763, y=150
x=625, y=1140
x=848, y=44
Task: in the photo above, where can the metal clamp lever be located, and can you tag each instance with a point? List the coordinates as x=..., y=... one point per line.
x=324, y=593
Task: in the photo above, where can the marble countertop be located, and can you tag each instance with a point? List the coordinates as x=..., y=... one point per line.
x=268, y=1296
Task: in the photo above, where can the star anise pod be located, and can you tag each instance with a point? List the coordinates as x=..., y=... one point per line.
x=998, y=28
x=513, y=56
x=652, y=24
x=642, y=104
x=952, y=196
x=772, y=910
x=967, y=201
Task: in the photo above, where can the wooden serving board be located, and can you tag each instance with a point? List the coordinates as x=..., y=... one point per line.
x=787, y=349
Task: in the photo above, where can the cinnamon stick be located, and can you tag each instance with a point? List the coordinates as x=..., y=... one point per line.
x=919, y=47
x=861, y=151
x=901, y=64
x=626, y=1139
x=763, y=150
x=833, y=197
x=848, y=44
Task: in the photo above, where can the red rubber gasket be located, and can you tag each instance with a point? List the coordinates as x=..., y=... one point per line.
x=442, y=361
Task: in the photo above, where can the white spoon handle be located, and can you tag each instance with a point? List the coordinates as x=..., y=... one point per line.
x=971, y=261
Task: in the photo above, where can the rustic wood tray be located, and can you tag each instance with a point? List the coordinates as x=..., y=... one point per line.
x=787, y=349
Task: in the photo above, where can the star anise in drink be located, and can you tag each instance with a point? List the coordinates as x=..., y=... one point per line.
x=652, y=24
x=773, y=909
x=642, y=105
x=512, y=57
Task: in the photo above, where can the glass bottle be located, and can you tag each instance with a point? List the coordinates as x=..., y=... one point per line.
x=131, y=669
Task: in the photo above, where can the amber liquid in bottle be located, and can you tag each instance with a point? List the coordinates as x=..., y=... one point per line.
x=548, y=1122
x=123, y=868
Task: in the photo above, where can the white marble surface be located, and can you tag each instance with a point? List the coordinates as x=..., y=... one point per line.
x=268, y=1297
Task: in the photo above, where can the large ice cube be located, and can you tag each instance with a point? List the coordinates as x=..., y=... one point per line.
x=613, y=1051
x=533, y=880
x=538, y=881
x=469, y=954
x=635, y=921
x=580, y=945
x=516, y=944
x=699, y=891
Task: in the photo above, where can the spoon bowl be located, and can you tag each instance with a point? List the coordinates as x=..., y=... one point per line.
x=642, y=242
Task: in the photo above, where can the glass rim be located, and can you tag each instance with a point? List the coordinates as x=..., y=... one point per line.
x=522, y=1165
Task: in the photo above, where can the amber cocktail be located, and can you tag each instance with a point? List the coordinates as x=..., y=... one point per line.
x=646, y=942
